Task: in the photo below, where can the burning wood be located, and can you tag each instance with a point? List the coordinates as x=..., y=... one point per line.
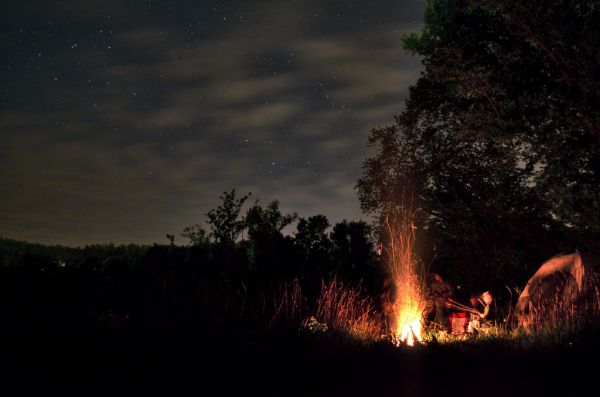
x=409, y=305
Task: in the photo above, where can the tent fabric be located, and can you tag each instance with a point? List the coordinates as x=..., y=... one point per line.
x=571, y=264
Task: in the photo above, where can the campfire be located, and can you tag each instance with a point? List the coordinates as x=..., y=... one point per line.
x=409, y=304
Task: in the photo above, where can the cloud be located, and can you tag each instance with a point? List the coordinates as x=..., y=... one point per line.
x=279, y=104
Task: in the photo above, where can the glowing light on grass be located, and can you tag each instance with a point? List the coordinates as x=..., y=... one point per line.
x=409, y=305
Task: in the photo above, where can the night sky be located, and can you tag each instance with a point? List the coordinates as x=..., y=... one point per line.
x=121, y=121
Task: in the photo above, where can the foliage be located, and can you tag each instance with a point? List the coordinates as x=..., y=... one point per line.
x=195, y=234
x=311, y=234
x=224, y=221
x=273, y=252
x=498, y=143
x=268, y=222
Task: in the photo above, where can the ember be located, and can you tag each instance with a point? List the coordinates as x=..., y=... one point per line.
x=409, y=304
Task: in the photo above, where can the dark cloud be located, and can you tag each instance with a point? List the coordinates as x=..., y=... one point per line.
x=122, y=121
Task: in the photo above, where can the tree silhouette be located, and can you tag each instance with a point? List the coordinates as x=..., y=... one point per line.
x=354, y=259
x=272, y=252
x=498, y=142
x=224, y=221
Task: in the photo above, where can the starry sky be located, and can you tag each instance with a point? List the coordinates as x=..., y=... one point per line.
x=124, y=120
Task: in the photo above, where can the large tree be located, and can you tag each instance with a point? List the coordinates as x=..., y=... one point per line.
x=498, y=144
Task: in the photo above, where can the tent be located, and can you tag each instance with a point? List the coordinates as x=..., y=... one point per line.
x=556, y=285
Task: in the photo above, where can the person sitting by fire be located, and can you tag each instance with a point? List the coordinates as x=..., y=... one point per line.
x=386, y=299
x=440, y=292
x=481, y=310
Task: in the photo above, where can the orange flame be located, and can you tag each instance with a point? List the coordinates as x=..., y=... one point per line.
x=408, y=308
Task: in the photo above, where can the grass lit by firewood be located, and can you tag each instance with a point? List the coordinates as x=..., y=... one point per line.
x=348, y=313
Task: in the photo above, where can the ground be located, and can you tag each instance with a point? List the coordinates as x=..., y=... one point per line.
x=290, y=365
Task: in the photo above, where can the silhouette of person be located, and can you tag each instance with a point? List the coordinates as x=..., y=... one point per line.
x=481, y=304
x=440, y=292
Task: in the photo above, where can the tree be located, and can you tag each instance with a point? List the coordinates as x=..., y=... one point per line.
x=271, y=248
x=315, y=247
x=225, y=258
x=267, y=222
x=498, y=142
x=224, y=221
x=353, y=254
x=311, y=233
x=195, y=234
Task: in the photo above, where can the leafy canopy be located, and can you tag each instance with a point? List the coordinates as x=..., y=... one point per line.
x=499, y=140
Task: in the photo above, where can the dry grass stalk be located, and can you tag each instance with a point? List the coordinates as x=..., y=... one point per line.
x=348, y=309
x=561, y=314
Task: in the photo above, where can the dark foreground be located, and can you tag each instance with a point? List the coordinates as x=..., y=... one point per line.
x=291, y=365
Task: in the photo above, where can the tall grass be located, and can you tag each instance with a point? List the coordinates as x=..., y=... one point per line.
x=289, y=304
x=349, y=310
x=342, y=309
x=264, y=308
x=562, y=315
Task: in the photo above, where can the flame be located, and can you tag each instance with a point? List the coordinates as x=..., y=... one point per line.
x=408, y=308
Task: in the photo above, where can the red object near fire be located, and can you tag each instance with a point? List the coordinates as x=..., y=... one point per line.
x=458, y=322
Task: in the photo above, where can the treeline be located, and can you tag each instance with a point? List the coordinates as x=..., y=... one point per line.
x=242, y=275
